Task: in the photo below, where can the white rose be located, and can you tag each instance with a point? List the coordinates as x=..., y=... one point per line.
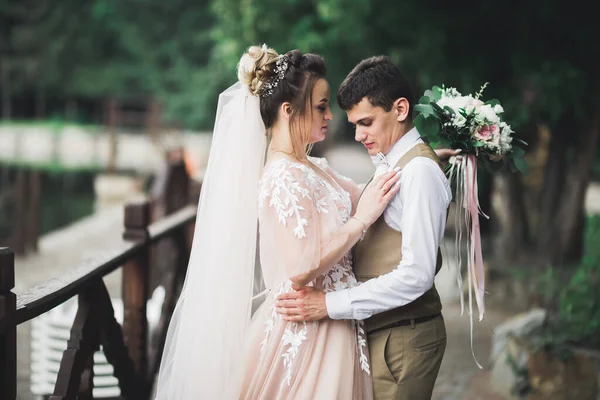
x=488, y=113
x=475, y=102
x=444, y=101
x=449, y=101
x=498, y=109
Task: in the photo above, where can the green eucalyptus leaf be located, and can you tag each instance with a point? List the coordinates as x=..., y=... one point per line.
x=511, y=165
x=517, y=151
x=425, y=109
x=437, y=93
x=429, y=93
x=419, y=122
x=425, y=100
x=521, y=165
x=430, y=127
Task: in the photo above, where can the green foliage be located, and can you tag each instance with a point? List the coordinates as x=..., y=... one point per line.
x=571, y=294
x=68, y=197
x=579, y=299
x=574, y=300
x=429, y=126
x=186, y=53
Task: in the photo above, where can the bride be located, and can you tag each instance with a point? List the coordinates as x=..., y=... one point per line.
x=308, y=218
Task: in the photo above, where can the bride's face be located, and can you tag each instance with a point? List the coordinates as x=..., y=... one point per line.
x=320, y=113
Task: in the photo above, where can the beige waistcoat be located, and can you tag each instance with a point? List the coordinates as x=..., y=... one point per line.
x=380, y=252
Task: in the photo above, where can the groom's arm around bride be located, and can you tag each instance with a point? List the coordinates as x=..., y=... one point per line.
x=397, y=261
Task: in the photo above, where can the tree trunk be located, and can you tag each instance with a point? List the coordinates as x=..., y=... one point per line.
x=71, y=110
x=6, y=90
x=509, y=211
x=568, y=223
x=40, y=103
x=554, y=180
x=111, y=124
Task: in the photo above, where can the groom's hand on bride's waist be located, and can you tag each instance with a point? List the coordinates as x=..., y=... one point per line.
x=303, y=304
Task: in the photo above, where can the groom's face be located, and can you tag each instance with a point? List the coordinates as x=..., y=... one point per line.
x=374, y=126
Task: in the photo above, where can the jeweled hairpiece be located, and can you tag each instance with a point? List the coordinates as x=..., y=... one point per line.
x=281, y=66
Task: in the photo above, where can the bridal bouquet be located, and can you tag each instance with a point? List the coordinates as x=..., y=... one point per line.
x=448, y=118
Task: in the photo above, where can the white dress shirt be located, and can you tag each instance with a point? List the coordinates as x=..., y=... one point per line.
x=418, y=210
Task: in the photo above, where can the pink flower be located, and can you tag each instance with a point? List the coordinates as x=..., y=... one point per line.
x=484, y=133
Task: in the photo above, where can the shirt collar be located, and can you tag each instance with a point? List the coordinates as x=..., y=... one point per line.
x=399, y=149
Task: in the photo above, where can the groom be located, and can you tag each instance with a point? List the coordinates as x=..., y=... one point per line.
x=398, y=258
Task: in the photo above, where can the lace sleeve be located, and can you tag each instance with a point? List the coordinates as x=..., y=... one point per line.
x=346, y=183
x=289, y=219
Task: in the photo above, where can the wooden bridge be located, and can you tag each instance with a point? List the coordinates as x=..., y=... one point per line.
x=150, y=226
x=28, y=150
x=51, y=147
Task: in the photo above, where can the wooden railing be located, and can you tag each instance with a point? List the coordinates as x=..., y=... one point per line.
x=126, y=347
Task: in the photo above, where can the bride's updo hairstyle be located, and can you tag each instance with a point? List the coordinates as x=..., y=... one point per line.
x=277, y=79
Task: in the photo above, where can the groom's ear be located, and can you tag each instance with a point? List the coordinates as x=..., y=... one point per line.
x=401, y=109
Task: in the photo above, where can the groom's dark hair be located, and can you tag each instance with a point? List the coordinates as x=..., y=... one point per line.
x=377, y=79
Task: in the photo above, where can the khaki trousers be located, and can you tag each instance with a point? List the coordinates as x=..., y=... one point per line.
x=406, y=359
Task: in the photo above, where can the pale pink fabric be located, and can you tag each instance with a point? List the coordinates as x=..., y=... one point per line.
x=299, y=215
x=475, y=253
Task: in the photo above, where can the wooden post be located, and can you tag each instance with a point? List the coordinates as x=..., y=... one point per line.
x=86, y=387
x=172, y=280
x=135, y=286
x=73, y=380
x=153, y=120
x=34, y=222
x=176, y=194
x=171, y=194
x=115, y=350
x=8, y=328
x=19, y=233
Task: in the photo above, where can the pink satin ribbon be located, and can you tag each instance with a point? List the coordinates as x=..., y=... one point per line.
x=464, y=175
x=475, y=261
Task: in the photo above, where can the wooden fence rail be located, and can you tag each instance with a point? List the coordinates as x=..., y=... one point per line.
x=126, y=347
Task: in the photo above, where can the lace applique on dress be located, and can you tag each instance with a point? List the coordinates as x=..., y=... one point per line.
x=284, y=186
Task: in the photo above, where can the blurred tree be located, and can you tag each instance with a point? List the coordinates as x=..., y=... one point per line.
x=101, y=47
x=537, y=58
x=65, y=49
x=170, y=44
